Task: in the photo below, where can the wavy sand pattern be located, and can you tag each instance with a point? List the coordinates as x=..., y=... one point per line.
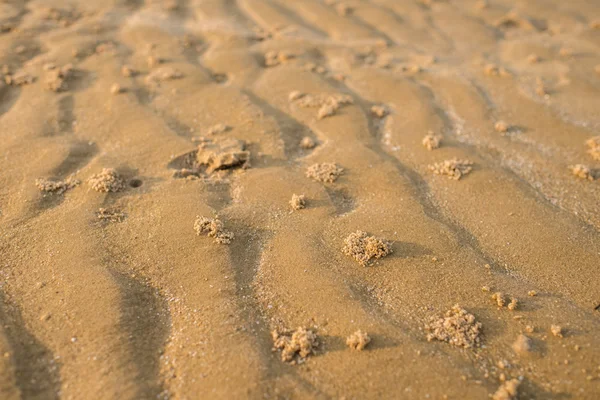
x=227, y=109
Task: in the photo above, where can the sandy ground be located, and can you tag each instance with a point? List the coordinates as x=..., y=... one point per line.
x=289, y=126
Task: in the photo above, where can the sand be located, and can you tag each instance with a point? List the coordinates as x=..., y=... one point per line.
x=108, y=292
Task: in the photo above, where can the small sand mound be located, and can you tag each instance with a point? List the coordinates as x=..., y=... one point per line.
x=582, y=171
x=307, y=143
x=213, y=228
x=298, y=202
x=56, y=186
x=379, y=111
x=358, y=340
x=363, y=248
x=522, y=345
x=432, y=141
x=509, y=390
x=56, y=79
x=501, y=127
x=110, y=215
x=454, y=168
x=457, y=327
x=295, y=346
x=109, y=180
x=325, y=172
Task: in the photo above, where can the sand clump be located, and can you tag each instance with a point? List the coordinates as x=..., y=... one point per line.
x=509, y=390
x=457, y=327
x=19, y=79
x=454, y=168
x=557, y=330
x=501, y=127
x=230, y=153
x=56, y=79
x=109, y=180
x=56, y=186
x=327, y=104
x=501, y=301
x=358, y=340
x=116, y=89
x=295, y=346
x=213, y=156
x=307, y=143
x=379, y=111
x=522, y=345
x=213, y=227
x=128, y=71
x=363, y=248
x=582, y=172
x=432, y=141
x=298, y=202
x=324, y=172
x=594, y=147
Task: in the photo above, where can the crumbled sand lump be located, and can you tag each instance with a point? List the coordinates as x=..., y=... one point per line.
x=274, y=58
x=363, y=248
x=56, y=186
x=308, y=143
x=214, y=155
x=56, y=79
x=582, y=171
x=295, y=346
x=227, y=154
x=509, y=390
x=327, y=104
x=325, y=172
x=110, y=215
x=501, y=127
x=556, y=330
x=513, y=304
x=19, y=79
x=116, y=89
x=127, y=71
x=295, y=95
x=454, y=168
x=532, y=293
x=218, y=128
x=457, y=327
x=213, y=227
x=358, y=340
x=109, y=180
x=298, y=202
x=498, y=297
x=379, y=111
x=432, y=141
x=594, y=147
x=522, y=345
